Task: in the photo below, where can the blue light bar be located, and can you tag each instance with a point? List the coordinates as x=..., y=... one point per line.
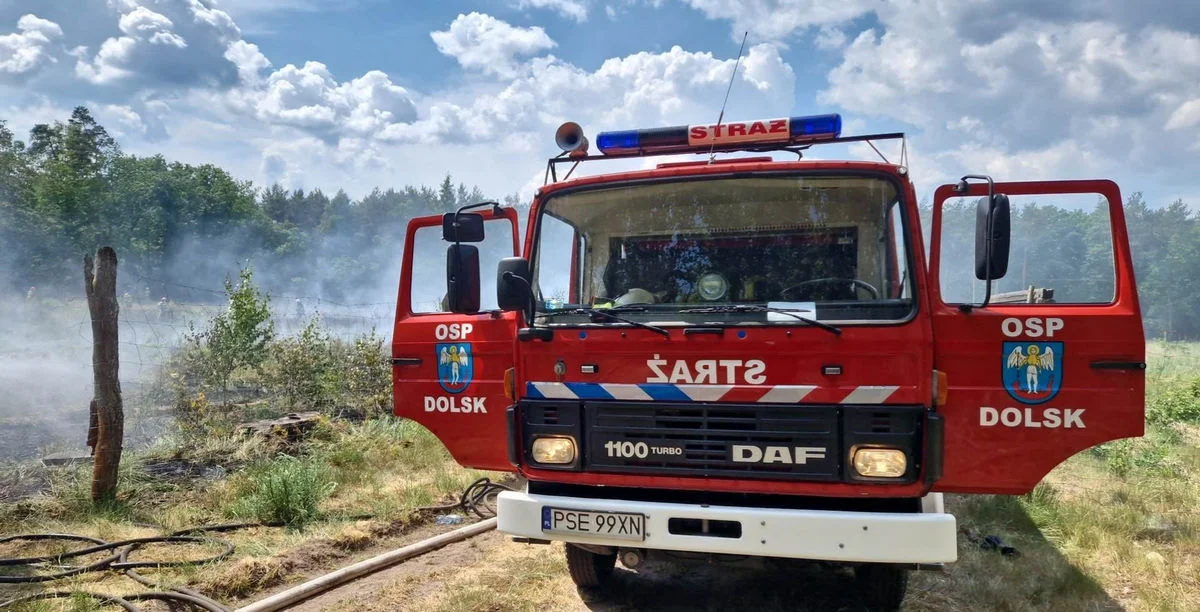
x=816, y=127
x=626, y=141
x=731, y=135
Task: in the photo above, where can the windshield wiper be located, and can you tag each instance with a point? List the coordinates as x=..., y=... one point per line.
x=607, y=313
x=791, y=312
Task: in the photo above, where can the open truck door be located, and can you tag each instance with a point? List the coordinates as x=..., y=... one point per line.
x=1055, y=362
x=449, y=354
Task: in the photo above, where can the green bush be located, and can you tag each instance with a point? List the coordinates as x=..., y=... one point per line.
x=303, y=371
x=1149, y=454
x=369, y=376
x=1117, y=455
x=1173, y=399
x=238, y=337
x=287, y=490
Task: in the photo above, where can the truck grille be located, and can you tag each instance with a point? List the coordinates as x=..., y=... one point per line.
x=740, y=441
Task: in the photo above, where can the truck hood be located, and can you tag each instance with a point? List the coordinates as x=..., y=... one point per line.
x=864, y=365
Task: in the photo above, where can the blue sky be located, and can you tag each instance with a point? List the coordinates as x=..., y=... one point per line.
x=364, y=93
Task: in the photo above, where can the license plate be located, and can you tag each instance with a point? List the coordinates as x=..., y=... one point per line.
x=623, y=525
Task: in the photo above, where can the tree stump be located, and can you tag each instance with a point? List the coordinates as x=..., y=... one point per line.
x=290, y=427
x=107, y=420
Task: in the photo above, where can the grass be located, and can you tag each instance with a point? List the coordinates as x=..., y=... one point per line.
x=383, y=469
x=287, y=490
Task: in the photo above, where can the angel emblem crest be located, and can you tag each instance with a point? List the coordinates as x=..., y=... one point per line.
x=1032, y=371
x=455, y=366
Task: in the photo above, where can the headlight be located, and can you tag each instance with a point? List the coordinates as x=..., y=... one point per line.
x=712, y=287
x=556, y=450
x=880, y=462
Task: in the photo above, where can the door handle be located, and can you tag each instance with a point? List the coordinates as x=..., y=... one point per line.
x=1119, y=365
x=406, y=361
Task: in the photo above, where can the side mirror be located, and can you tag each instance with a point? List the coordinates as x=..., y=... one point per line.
x=513, y=285
x=462, y=279
x=462, y=227
x=992, y=231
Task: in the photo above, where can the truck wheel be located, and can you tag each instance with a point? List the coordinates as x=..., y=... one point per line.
x=589, y=569
x=882, y=586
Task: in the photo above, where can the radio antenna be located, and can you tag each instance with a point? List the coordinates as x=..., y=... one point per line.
x=721, y=116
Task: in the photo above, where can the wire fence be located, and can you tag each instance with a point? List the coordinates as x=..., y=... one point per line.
x=46, y=359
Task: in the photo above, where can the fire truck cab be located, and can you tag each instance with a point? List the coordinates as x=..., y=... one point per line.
x=761, y=357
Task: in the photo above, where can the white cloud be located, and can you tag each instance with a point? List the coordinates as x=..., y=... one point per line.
x=178, y=42
x=482, y=42
x=639, y=90
x=1187, y=115
x=309, y=98
x=250, y=62
x=1033, y=86
x=569, y=9
x=778, y=19
x=120, y=119
x=26, y=49
x=830, y=38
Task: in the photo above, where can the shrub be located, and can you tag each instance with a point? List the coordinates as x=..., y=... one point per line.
x=369, y=376
x=303, y=370
x=1173, y=399
x=236, y=337
x=288, y=490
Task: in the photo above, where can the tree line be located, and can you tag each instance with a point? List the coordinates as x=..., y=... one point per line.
x=1070, y=249
x=182, y=229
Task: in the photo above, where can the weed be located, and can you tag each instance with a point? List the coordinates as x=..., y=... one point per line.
x=287, y=490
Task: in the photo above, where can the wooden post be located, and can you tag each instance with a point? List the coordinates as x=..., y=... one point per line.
x=106, y=409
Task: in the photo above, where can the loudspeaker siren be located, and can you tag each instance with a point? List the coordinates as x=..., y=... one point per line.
x=569, y=137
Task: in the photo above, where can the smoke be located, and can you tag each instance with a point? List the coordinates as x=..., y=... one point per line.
x=346, y=270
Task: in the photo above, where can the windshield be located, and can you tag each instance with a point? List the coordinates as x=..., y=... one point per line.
x=727, y=250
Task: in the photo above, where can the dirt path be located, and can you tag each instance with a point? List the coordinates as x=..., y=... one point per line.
x=369, y=592
x=491, y=573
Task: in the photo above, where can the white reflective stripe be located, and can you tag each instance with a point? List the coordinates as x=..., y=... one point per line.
x=786, y=394
x=554, y=390
x=704, y=393
x=869, y=395
x=625, y=391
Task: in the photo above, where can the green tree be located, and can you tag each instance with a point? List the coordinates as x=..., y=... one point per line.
x=239, y=336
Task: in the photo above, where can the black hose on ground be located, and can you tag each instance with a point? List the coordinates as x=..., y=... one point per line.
x=477, y=499
x=118, y=561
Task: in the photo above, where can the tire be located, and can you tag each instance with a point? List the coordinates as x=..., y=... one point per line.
x=882, y=586
x=589, y=569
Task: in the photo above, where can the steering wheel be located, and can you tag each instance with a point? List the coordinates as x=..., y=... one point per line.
x=853, y=282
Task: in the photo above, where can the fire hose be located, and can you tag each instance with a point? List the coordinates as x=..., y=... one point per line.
x=474, y=499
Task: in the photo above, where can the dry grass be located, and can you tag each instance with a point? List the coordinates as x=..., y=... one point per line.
x=384, y=469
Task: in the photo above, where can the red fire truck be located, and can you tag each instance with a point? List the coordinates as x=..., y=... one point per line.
x=755, y=356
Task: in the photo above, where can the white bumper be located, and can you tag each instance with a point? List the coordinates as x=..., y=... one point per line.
x=879, y=537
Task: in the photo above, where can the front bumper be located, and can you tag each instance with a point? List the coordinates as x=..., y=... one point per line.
x=868, y=537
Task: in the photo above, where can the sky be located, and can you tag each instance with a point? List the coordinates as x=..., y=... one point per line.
x=356, y=94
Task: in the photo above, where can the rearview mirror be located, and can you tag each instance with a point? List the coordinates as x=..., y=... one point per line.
x=462, y=227
x=992, y=237
x=512, y=284
x=462, y=279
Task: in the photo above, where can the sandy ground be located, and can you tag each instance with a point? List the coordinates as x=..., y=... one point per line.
x=490, y=572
